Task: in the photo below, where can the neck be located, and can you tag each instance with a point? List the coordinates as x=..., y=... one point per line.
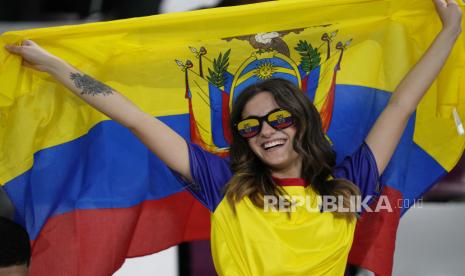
x=290, y=172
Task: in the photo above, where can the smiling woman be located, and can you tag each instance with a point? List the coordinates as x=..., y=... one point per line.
x=277, y=157
x=296, y=149
x=272, y=146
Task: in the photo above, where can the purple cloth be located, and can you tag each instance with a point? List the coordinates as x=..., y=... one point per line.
x=361, y=169
x=210, y=174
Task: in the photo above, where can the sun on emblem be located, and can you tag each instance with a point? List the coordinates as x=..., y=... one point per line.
x=265, y=70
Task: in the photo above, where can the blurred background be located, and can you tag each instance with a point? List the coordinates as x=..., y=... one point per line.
x=431, y=237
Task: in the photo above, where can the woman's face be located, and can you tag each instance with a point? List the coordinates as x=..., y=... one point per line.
x=272, y=146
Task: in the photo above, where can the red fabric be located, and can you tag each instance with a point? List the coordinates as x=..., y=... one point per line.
x=290, y=181
x=375, y=236
x=305, y=83
x=326, y=112
x=225, y=117
x=96, y=242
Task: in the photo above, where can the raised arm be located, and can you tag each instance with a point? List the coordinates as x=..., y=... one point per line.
x=388, y=128
x=159, y=138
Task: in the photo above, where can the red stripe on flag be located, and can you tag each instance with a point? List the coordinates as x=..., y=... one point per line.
x=375, y=236
x=304, y=83
x=96, y=242
x=326, y=112
x=225, y=117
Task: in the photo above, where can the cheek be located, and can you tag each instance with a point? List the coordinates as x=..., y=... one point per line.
x=291, y=132
x=253, y=144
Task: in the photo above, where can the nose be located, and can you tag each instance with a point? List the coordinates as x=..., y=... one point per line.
x=267, y=130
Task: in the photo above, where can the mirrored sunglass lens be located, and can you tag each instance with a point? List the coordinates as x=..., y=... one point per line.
x=280, y=119
x=248, y=128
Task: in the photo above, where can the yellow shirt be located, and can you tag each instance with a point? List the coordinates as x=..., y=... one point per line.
x=255, y=242
x=258, y=242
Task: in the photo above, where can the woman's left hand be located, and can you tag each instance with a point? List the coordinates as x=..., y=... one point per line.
x=451, y=15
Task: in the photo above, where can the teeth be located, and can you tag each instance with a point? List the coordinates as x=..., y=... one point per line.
x=273, y=143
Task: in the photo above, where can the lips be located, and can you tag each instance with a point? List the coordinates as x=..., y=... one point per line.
x=273, y=144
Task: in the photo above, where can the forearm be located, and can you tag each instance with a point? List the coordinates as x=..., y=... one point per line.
x=95, y=93
x=159, y=138
x=388, y=128
x=415, y=84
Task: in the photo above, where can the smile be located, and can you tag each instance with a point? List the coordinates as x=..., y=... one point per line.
x=273, y=144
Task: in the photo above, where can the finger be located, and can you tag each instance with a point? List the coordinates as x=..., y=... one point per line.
x=14, y=49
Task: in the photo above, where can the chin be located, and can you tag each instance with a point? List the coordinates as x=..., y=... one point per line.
x=278, y=164
x=282, y=158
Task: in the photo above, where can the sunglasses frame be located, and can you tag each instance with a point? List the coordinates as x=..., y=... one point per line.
x=260, y=122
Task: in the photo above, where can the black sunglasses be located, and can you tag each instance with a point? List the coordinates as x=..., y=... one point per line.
x=252, y=125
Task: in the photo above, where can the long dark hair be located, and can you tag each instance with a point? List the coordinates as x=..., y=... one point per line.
x=252, y=178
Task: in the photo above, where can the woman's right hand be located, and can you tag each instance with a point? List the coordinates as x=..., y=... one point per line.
x=34, y=56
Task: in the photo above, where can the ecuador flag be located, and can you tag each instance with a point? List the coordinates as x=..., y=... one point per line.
x=90, y=194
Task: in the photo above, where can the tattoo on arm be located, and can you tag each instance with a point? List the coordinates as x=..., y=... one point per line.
x=89, y=86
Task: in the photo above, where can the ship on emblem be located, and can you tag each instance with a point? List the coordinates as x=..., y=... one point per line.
x=217, y=87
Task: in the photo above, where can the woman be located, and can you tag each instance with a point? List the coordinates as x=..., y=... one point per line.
x=278, y=153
